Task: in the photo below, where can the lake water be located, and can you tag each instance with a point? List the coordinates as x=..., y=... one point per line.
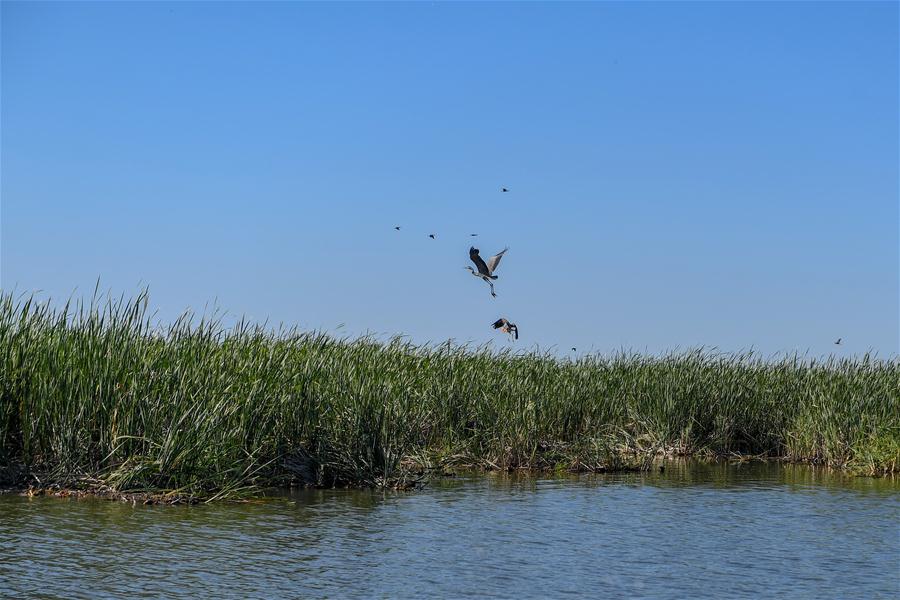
x=700, y=531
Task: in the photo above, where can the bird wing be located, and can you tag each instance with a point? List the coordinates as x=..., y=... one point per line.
x=479, y=262
x=515, y=330
x=499, y=323
x=495, y=260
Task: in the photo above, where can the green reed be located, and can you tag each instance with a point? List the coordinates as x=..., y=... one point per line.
x=203, y=411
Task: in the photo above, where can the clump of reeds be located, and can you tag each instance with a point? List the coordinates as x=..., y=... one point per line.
x=200, y=410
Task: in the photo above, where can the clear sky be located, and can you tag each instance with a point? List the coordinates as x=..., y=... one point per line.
x=680, y=174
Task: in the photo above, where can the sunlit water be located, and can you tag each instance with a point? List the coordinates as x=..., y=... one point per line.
x=694, y=531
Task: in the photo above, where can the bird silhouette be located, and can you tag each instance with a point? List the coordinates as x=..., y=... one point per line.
x=838, y=342
x=397, y=228
x=504, y=190
x=473, y=235
x=506, y=327
x=485, y=270
x=431, y=235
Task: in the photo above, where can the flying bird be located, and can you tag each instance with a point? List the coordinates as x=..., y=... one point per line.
x=573, y=349
x=431, y=235
x=397, y=228
x=504, y=190
x=838, y=342
x=485, y=270
x=506, y=327
x=473, y=235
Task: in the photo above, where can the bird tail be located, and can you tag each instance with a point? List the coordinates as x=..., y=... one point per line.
x=493, y=277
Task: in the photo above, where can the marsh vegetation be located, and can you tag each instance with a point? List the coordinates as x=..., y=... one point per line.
x=100, y=393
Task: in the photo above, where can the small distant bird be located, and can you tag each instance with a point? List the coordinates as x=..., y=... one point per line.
x=573, y=349
x=473, y=235
x=504, y=190
x=838, y=342
x=506, y=327
x=431, y=235
x=485, y=270
x=397, y=228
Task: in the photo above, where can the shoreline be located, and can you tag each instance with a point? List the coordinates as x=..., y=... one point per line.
x=91, y=488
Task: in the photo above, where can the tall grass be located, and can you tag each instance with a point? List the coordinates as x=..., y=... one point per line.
x=208, y=411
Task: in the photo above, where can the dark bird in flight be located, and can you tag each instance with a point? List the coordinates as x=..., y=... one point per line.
x=506, y=327
x=573, y=349
x=485, y=270
x=397, y=228
x=473, y=235
x=504, y=190
x=431, y=235
x=838, y=342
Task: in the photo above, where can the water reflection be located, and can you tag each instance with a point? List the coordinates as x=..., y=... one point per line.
x=696, y=530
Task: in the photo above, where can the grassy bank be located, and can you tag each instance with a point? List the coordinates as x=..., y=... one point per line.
x=202, y=411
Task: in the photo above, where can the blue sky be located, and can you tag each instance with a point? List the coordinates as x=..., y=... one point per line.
x=680, y=174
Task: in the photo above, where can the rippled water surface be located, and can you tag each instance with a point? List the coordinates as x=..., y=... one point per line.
x=693, y=531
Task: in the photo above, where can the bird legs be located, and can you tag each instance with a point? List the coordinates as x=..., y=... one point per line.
x=490, y=283
x=484, y=277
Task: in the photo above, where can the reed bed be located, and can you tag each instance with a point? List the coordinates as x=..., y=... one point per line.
x=98, y=392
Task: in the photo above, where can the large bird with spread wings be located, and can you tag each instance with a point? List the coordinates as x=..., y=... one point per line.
x=506, y=327
x=485, y=269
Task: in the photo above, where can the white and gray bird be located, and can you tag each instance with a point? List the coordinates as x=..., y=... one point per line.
x=485, y=270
